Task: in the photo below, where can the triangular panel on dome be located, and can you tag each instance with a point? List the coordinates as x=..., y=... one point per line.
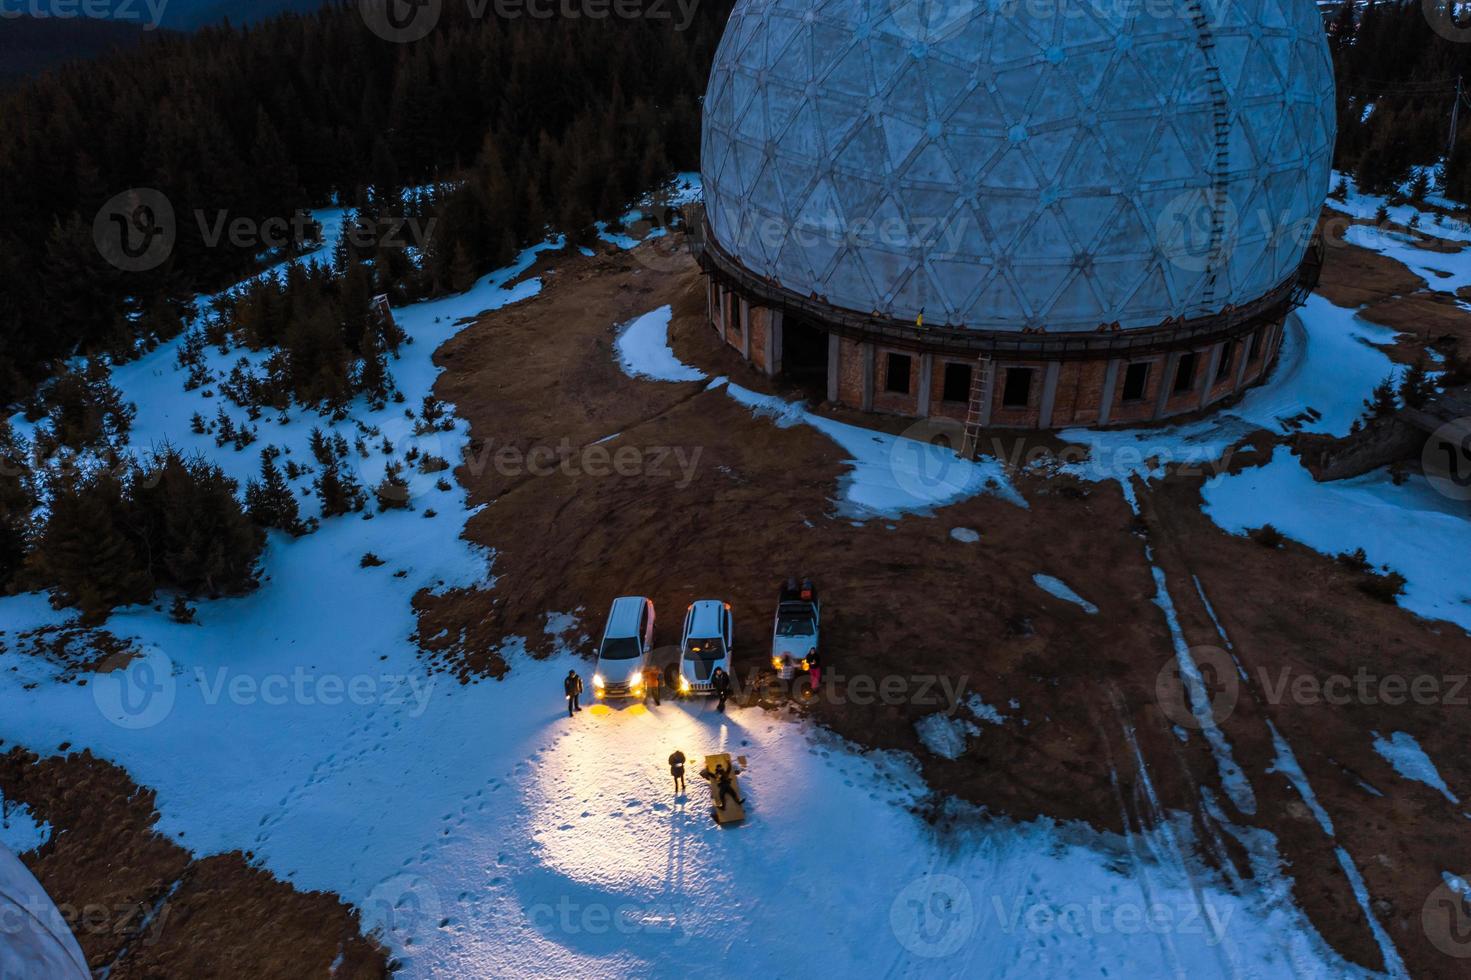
x=1090, y=167
x=744, y=166
x=1014, y=91
x=865, y=152
x=1090, y=70
x=1046, y=238
x=791, y=266
x=973, y=153
x=1078, y=303
x=901, y=138
x=1011, y=171
x=840, y=117
x=1038, y=283
x=1007, y=216
x=850, y=74
x=1011, y=43
x=802, y=137
x=1259, y=77
x=785, y=34
x=1127, y=234
x=885, y=226
x=885, y=270
x=1127, y=140
x=1230, y=59
x=1089, y=23
x=916, y=292
x=904, y=94
x=1115, y=280
x=977, y=110
x=1151, y=299
x=1088, y=217
x=997, y=303
x=782, y=103
x=821, y=210
x=856, y=196
x=964, y=236
x=947, y=84
x=1054, y=99
x=930, y=166
x=1170, y=160
x=1050, y=151
x=1130, y=88
x=957, y=280
x=751, y=123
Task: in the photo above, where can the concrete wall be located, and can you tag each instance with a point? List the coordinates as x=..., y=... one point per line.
x=1062, y=394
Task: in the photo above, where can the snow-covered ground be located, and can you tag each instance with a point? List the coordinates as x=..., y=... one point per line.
x=890, y=475
x=484, y=833
x=20, y=831
x=1057, y=587
x=1404, y=753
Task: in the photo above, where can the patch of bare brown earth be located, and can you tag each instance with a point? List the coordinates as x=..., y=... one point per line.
x=904, y=599
x=142, y=907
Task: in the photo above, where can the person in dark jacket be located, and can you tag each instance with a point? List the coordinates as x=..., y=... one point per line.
x=653, y=683
x=725, y=788
x=572, y=687
x=720, y=680
x=676, y=769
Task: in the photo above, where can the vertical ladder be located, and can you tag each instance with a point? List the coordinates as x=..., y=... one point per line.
x=981, y=382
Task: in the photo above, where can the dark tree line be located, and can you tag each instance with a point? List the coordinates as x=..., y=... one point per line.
x=1387, y=55
x=524, y=123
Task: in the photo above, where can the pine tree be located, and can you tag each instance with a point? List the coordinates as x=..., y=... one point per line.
x=84, y=556
x=340, y=493
x=270, y=503
x=1415, y=387
x=1382, y=402
x=393, y=492
x=461, y=270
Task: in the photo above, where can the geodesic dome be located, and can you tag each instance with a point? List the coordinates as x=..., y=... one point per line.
x=35, y=940
x=1057, y=164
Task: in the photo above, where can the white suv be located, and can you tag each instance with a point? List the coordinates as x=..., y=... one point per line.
x=704, y=645
x=623, y=654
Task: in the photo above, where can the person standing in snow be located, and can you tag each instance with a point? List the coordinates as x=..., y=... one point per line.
x=572, y=686
x=676, y=769
x=720, y=680
x=814, y=671
x=653, y=683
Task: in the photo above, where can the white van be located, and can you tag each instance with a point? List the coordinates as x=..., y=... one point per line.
x=624, y=652
x=704, y=645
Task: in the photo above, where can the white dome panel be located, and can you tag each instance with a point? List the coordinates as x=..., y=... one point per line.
x=1003, y=168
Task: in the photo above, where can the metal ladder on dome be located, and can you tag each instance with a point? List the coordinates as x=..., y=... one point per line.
x=981, y=383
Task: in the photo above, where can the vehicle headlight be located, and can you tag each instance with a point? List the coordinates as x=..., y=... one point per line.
x=636, y=681
x=597, y=680
x=804, y=665
x=684, y=685
x=776, y=662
